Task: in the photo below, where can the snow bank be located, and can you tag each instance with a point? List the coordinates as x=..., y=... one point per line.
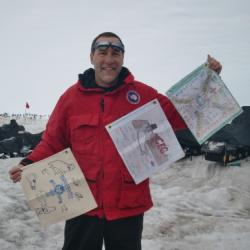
x=198, y=205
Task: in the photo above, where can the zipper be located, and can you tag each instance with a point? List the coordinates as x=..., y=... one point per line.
x=101, y=153
x=102, y=104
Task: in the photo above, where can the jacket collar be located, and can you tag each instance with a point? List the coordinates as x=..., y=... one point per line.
x=87, y=80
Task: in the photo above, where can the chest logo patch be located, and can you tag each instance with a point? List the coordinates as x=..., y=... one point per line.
x=133, y=97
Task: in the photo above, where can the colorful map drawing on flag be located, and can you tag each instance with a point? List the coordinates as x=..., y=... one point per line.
x=204, y=102
x=56, y=188
x=145, y=141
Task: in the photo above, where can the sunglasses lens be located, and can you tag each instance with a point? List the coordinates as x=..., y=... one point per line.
x=116, y=48
x=102, y=47
x=105, y=45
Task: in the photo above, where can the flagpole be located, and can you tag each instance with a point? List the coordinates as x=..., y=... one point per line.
x=25, y=111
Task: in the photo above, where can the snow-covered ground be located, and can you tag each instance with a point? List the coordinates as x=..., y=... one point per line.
x=199, y=205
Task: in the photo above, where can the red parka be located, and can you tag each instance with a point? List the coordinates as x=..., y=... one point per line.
x=78, y=121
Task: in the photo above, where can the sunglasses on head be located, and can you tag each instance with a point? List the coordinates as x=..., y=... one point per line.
x=103, y=45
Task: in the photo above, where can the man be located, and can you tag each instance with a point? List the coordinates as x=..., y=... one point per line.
x=102, y=95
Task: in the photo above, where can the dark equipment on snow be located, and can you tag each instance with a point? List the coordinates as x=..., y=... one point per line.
x=232, y=142
x=15, y=141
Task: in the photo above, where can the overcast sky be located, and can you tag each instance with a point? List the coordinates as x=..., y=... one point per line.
x=45, y=44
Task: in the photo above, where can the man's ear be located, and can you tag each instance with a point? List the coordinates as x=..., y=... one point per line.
x=91, y=57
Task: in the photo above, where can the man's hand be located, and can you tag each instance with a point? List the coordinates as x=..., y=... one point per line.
x=15, y=173
x=214, y=64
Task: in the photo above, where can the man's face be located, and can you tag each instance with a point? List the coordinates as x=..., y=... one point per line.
x=107, y=62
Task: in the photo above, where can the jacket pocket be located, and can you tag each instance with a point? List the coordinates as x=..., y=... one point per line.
x=84, y=133
x=91, y=177
x=133, y=195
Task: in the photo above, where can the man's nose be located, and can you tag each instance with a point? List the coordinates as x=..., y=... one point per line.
x=109, y=58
